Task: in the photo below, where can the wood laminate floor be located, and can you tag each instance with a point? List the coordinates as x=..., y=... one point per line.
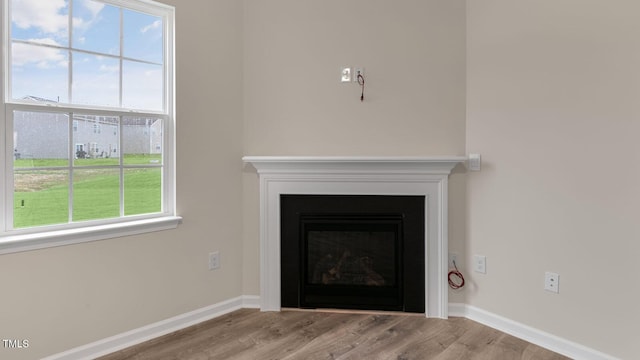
x=251, y=334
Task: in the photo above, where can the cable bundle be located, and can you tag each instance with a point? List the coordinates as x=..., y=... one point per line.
x=453, y=274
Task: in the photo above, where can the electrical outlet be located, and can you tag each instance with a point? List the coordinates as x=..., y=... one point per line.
x=214, y=260
x=552, y=282
x=480, y=264
x=358, y=71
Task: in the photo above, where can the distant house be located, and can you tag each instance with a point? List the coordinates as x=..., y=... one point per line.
x=92, y=136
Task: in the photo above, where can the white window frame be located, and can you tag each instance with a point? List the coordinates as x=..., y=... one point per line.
x=17, y=240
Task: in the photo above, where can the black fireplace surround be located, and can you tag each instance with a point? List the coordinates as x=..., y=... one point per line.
x=353, y=252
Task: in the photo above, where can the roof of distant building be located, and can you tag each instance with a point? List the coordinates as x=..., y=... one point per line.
x=38, y=99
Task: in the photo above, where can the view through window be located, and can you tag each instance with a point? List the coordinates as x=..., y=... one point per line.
x=88, y=100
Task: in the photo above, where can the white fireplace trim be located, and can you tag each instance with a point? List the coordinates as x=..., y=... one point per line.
x=422, y=176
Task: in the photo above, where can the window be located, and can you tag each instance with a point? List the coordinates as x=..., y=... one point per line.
x=88, y=96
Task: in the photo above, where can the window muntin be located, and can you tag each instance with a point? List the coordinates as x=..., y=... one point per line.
x=99, y=155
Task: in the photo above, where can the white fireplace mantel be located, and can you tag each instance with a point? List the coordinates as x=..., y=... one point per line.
x=341, y=175
x=354, y=164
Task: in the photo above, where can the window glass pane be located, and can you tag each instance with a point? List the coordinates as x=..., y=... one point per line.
x=39, y=73
x=96, y=194
x=96, y=80
x=142, y=140
x=95, y=140
x=142, y=36
x=40, y=139
x=96, y=27
x=40, y=197
x=142, y=86
x=41, y=21
x=142, y=191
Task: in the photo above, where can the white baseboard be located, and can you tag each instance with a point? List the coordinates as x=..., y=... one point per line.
x=137, y=336
x=250, y=301
x=534, y=336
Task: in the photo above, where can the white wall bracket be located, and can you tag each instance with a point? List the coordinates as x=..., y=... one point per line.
x=475, y=162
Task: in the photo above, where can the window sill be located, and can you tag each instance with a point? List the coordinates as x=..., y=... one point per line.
x=19, y=243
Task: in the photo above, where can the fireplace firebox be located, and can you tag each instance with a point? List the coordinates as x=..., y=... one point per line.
x=353, y=252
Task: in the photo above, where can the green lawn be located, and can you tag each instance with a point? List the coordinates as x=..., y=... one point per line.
x=41, y=196
x=41, y=207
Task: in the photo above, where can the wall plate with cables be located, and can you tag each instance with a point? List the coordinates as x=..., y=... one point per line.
x=355, y=74
x=349, y=74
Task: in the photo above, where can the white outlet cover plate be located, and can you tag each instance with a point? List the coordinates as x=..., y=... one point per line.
x=345, y=74
x=480, y=264
x=214, y=260
x=552, y=282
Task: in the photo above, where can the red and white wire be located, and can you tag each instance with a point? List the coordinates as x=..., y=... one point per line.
x=453, y=274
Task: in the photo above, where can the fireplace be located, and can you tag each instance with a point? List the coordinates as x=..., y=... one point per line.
x=426, y=177
x=353, y=252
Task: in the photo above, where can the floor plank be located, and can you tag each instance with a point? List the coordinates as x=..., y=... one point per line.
x=322, y=335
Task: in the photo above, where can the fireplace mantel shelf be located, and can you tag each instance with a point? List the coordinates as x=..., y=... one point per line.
x=384, y=164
